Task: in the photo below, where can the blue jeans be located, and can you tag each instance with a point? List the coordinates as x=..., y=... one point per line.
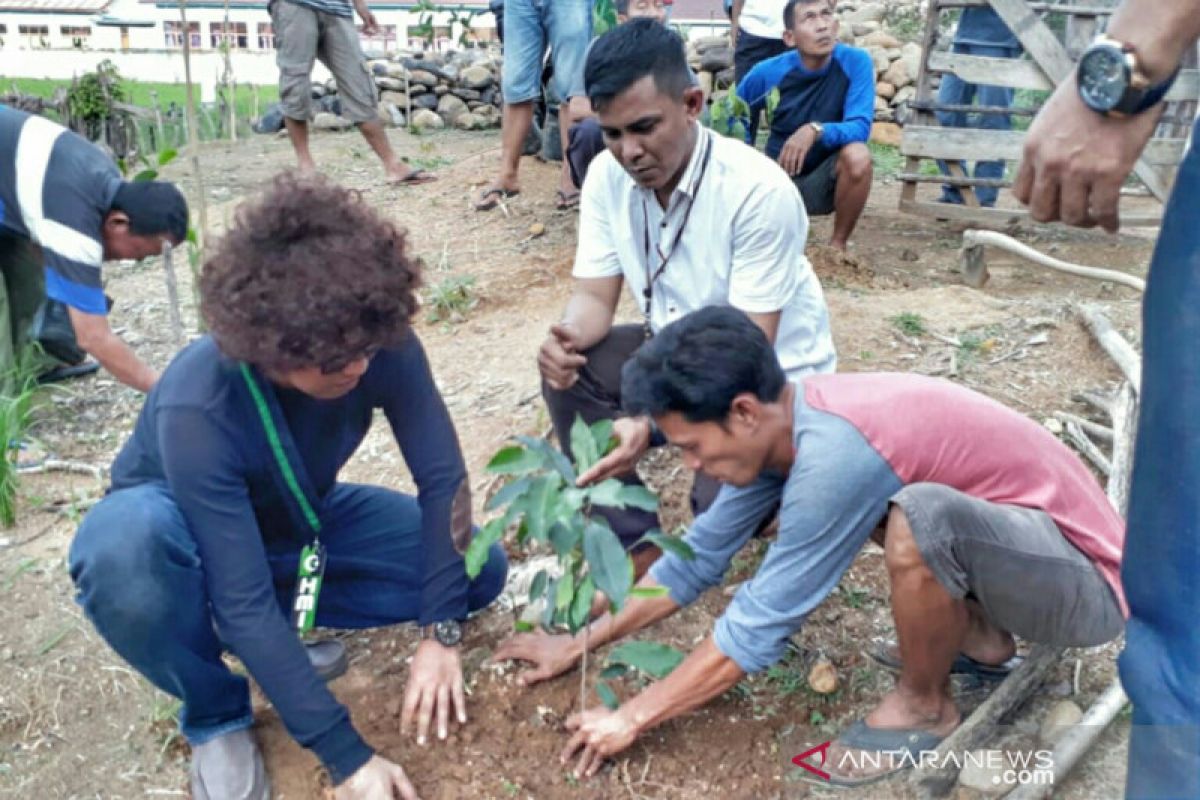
x=1160, y=667
x=142, y=584
x=957, y=92
x=530, y=26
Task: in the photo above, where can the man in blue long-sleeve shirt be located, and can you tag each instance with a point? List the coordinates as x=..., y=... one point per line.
x=821, y=123
x=232, y=471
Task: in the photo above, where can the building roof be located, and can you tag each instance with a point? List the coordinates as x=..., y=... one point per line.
x=55, y=6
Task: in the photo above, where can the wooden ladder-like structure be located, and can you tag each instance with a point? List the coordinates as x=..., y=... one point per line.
x=1048, y=60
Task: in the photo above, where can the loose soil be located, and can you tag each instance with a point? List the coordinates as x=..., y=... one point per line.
x=76, y=722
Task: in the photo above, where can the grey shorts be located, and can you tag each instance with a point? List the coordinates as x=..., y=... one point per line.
x=819, y=187
x=302, y=35
x=1015, y=563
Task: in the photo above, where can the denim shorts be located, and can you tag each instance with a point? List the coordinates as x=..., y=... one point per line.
x=530, y=26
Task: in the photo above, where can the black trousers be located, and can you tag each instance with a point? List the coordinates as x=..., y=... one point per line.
x=596, y=396
x=750, y=50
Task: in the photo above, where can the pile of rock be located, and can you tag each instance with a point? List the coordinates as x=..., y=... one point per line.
x=862, y=24
x=425, y=90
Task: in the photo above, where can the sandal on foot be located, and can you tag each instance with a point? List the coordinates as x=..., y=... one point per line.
x=883, y=653
x=415, y=178
x=493, y=196
x=566, y=201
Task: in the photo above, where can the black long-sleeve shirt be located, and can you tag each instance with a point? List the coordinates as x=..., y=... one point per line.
x=200, y=434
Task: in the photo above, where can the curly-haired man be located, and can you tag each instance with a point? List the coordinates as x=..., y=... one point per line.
x=226, y=516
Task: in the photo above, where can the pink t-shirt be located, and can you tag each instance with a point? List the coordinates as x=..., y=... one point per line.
x=934, y=431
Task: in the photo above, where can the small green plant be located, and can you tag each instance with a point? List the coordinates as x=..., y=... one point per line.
x=816, y=718
x=16, y=411
x=92, y=96
x=604, y=16
x=855, y=597
x=547, y=508
x=149, y=171
x=728, y=116
x=451, y=299
x=905, y=23
x=511, y=789
x=909, y=324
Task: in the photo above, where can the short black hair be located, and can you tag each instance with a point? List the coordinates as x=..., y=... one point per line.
x=153, y=208
x=789, y=11
x=630, y=52
x=697, y=365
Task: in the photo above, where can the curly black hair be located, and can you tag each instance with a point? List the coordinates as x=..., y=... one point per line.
x=308, y=275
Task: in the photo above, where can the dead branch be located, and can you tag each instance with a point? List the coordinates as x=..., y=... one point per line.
x=1088, y=448
x=172, y=294
x=1121, y=351
x=1125, y=413
x=974, y=239
x=1096, y=400
x=1094, y=430
x=73, y=467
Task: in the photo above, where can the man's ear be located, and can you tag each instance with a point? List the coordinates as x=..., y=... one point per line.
x=622, y=19
x=745, y=412
x=116, y=221
x=789, y=38
x=693, y=101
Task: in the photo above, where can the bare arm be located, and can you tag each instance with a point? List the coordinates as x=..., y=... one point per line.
x=1159, y=32
x=98, y=340
x=704, y=674
x=370, y=27
x=591, y=308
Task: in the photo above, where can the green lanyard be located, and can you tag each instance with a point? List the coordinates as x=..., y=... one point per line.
x=311, y=571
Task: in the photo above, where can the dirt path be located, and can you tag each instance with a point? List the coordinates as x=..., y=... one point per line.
x=74, y=722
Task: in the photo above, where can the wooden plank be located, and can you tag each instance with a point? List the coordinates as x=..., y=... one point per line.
x=917, y=177
x=1019, y=74
x=1000, y=217
x=938, y=777
x=924, y=92
x=931, y=141
x=1039, y=41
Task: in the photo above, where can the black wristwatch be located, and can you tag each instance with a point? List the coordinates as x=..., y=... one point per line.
x=1111, y=82
x=448, y=632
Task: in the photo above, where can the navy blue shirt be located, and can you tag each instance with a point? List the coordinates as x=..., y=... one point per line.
x=840, y=96
x=200, y=434
x=982, y=25
x=56, y=188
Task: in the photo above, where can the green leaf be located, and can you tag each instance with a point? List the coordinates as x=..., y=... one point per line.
x=583, y=446
x=638, y=497
x=581, y=604
x=607, y=562
x=669, y=544
x=564, y=537
x=508, y=492
x=572, y=497
x=514, y=460
x=607, y=696
x=606, y=493
x=649, y=591
x=145, y=175
x=602, y=435
x=523, y=626
x=552, y=454
x=548, y=611
x=655, y=659
x=540, y=505
x=166, y=156
x=613, y=671
x=538, y=587
x=564, y=592
x=477, y=551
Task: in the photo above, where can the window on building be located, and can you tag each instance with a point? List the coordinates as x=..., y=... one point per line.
x=173, y=34
x=235, y=36
x=266, y=36
x=384, y=39
x=77, y=35
x=35, y=36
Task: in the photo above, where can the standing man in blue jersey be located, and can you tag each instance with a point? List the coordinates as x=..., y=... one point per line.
x=228, y=489
x=980, y=32
x=307, y=30
x=63, y=210
x=821, y=124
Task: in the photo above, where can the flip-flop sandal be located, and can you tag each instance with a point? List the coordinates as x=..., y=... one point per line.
x=882, y=654
x=66, y=373
x=903, y=747
x=567, y=201
x=493, y=196
x=415, y=178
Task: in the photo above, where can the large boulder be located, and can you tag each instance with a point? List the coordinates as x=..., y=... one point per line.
x=472, y=122
x=476, y=77
x=397, y=71
x=324, y=121
x=398, y=99
x=423, y=76
x=428, y=100
x=880, y=39
x=885, y=90
x=441, y=89
x=704, y=43
x=886, y=133
x=716, y=59
x=451, y=108
x=897, y=74
x=864, y=28
x=393, y=84
x=424, y=119
x=465, y=94
x=879, y=58
x=390, y=114
x=910, y=54
x=867, y=12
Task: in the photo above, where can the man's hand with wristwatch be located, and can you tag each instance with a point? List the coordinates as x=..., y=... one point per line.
x=1087, y=137
x=795, y=149
x=435, y=683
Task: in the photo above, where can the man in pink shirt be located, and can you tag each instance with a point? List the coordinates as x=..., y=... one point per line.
x=991, y=529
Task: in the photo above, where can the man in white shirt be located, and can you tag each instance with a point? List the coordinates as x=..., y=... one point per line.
x=756, y=28
x=688, y=219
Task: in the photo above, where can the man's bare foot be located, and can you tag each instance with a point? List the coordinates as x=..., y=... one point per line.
x=306, y=167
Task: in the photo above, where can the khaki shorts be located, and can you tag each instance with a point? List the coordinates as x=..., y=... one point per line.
x=1015, y=562
x=303, y=35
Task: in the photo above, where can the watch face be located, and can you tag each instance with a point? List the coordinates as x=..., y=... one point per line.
x=1103, y=77
x=447, y=632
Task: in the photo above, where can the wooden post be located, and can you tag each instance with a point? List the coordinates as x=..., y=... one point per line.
x=973, y=264
x=158, y=122
x=1124, y=416
x=172, y=294
x=194, y=148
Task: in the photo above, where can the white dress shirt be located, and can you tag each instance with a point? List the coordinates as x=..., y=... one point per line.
x=742, y=246
x=763, y=18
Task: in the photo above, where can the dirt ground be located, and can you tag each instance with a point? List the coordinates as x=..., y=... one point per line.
x=75, y=722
